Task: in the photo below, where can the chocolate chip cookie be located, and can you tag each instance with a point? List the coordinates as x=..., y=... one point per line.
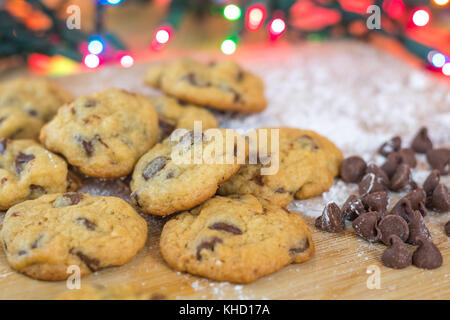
x=39, y=98
x=183, y=171
x=103, y=134
x=237, y=239
x=16, y=123
x=174, y=114
x=308, y=163
x=221, y=85
x=43, y=237
x=28, y=170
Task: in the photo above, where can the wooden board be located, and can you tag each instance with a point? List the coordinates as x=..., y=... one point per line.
x=338, y=270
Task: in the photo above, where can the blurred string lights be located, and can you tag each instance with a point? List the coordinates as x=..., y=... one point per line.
x=104, y=46
x=402, y=18
x=308, y=19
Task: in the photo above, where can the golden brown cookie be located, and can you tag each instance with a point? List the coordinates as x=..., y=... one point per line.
x=103, y=134
x=173, y=115
x=170, y=178
x=39, y=98
x=42, y=238
x=221, y=85
x=308, y=163
x=15, y=123
x=28, y=170
x=237, y=239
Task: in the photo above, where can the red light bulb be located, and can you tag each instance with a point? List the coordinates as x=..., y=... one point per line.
x=256, y=14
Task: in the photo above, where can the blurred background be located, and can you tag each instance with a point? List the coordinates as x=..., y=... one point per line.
x=61, y=37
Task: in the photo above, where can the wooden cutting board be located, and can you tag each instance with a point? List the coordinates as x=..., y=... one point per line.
x=339, y=270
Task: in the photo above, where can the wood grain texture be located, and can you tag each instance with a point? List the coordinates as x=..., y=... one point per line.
x=338, y=271
x=339, y=268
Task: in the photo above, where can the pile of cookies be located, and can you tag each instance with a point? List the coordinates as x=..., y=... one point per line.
x=368, y=211
x=229, y=221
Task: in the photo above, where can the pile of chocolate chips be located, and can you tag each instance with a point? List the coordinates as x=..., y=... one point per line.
x=404, y=223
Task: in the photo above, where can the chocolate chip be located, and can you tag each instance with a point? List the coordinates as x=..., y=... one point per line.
x=331, y=219
x=353, y=169
x=379, y=173
x=402, y=177
x=100, y=140
x=36, y=242
x=93, y=264
x=376, y=201
x=154, y=166
x=170, y=174
x=36, y=191
x=165, y=128
x=390, y=146
x=393, y=225
x=447, y=228
x=258, y=179
x=366, y=226
x=135, y=198
x=192, y=79
x=68, y=199
x=32, y=113
x=207, y=245
x=403, y=209
x=237, y=97
x=3, y=145
x=21, y=159
x=439, y=159
x=440, y=199
x=240, y=76
x=397, y=256
x=392, y=162
x=370, y=183
x=307, y=142
x=223, y=226
x=189, y=138
x=431, y=182
x=417, y=228
x=158, y=296
x=74, y=182
x=427, y=255
x=280, y=190
x=90, y=103
x=87, y=223
x=416, y=197
x=305, y=245
x=3, y=119
x=352, y=208
x=408, y=156
x=88, y=147
x=421, y=142
x=422, y=209
x=22, y=252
